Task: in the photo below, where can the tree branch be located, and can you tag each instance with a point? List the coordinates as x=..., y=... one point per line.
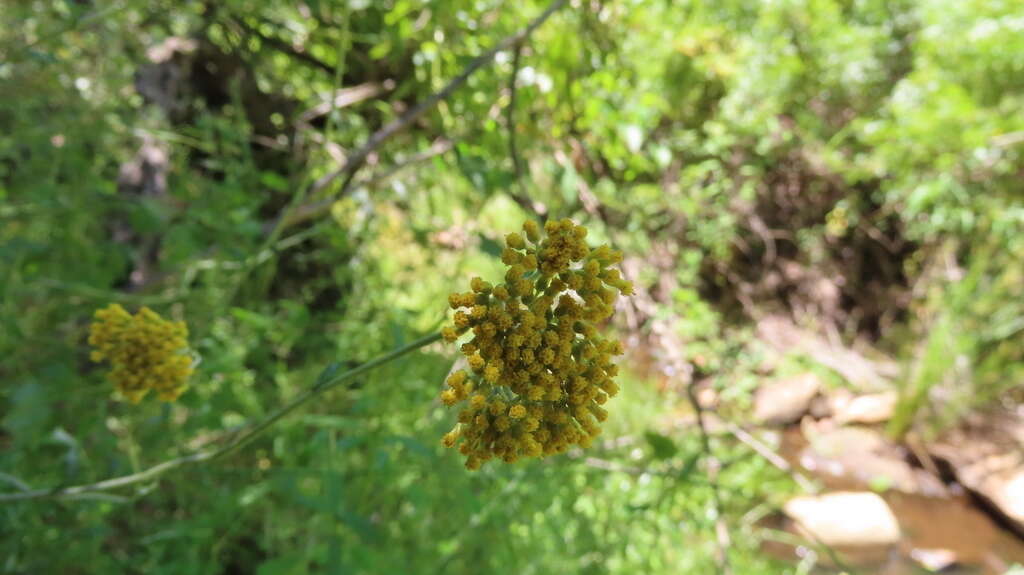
x=282, y=46
x=322, y=385
x=510, y=112
x=345, y=97
x=517, y=193
x=357, y=159
x=313, y=210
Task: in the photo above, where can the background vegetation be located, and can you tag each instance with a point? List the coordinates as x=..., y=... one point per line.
x=853, y=166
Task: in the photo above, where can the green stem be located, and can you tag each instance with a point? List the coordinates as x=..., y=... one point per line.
x=236, y=443
x=133, y=445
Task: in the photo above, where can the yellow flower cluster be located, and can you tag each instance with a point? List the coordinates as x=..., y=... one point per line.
x=145, y=351
x=539, y=371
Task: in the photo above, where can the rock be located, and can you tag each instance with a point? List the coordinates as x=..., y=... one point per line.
x=786, y=400
x=820, y=408
x=707, y=398
x=986, y=458
x=934, y=559
x=864, y=370
x=845, y=519
x=858, y=458
x=1000, y=480
x=1011, y=495
x=871, y=408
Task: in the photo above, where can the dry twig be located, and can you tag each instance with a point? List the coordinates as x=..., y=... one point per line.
x=771, y=457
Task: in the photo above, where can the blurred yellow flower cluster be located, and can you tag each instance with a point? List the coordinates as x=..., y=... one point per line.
x=539, y=371
x=145, y=351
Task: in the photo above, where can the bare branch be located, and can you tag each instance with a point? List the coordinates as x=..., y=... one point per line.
x=313, y=210
x=282, y=46
x=510, y=112
x=357, y=159
x=346, y=97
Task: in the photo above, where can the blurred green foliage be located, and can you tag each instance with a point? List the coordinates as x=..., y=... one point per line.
x=879, y=142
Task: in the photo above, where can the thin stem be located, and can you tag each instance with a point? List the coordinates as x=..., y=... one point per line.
x=133, y=445
x=15, y=481
x=93, y=293
x=341, y=55
x=519, y=193
x=274, y=235
x=722, y=538
x=236, y=443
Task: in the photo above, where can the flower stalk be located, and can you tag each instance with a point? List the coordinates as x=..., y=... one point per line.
x=323, y=384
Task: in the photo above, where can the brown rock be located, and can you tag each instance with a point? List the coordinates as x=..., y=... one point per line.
x=866, y=370
x=858, y=457
x=845, y=519
x=1000, y=480
x=934, y=559
x=871, y=408
x=820, y=407
x=786, y=400
x=986, y=458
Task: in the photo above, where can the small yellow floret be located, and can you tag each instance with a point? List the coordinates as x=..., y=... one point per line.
x=476, y=362
x=448, y=397
x=477, y=401
x=450, y=438
x=458, y=378
x=515, y=241
x=531, y=230
x=492, y=373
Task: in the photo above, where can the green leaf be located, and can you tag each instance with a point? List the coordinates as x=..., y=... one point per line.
x=661, y=446
x=381, y=50
x=29, y=414
x=489, y=246
x=327, y=374
x=290, y=564
x=274, y=181
x=252, y=318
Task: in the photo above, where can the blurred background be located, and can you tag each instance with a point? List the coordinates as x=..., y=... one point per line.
x=820, y=203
